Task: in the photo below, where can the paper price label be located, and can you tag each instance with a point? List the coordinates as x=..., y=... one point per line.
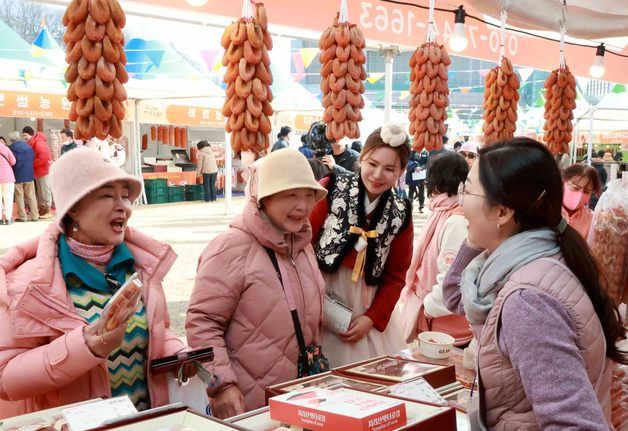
x=87, y=416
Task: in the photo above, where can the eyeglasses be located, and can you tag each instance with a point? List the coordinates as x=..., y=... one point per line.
x=466, y=155
x=462, y=192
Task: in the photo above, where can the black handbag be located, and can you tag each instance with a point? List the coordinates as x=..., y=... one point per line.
x=311, y=358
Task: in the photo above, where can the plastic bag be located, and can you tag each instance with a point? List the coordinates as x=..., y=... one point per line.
x=608, y=238
x=123, y=303
x=192, y=393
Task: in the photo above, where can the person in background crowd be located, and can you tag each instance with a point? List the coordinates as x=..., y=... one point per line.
x=417, y=164
x=117, y=152
x=283, y=139
x=55, y=146
x=400, y=187
x=41, y=167
x=208, y=168
x=469, y=151
x=618, y=156
x=240, y=305
x=532, y=291
x=342, y=160
x=67, y=141
x=457, y=146
x=56, y=286
x=305, y=148
x=320, y=147
x=24, y=178
x=357, y=146
x=101, y=145
x=7, y=182
x=365, y=268
x=563, y=160
x=580, y=182
x=421, y=301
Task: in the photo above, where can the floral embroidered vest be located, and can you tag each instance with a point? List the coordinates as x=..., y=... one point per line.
x=346, y=208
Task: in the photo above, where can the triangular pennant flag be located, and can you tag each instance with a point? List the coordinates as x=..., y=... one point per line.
x=403, y=95
x=217, y=66
x=540, y=102
x=298, y=66
x=308, y=55
x=210, y=57
x=525, y=73
x=619, y=88
x=465, y=89
x=374, y=77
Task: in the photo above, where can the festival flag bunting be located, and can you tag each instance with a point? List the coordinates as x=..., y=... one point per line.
x=308, y=55
x=210, y=58
x=374, y=77
x=298, y=66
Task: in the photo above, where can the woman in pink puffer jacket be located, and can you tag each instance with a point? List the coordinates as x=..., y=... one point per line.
x=7, y=182
x=238, y=305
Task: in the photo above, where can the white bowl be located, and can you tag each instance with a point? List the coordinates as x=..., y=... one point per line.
x=435, y=344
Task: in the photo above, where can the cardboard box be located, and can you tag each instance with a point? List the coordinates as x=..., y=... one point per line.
x=391, y=369
x=339, y=409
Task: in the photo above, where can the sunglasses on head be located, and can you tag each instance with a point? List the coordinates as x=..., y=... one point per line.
x=470, y=156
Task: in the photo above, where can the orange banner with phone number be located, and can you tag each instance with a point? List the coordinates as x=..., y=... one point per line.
x=33, y=105
x=396, y=23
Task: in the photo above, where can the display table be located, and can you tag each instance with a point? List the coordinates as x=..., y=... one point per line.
x=174, y=178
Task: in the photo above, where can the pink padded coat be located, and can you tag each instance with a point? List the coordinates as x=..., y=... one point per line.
x=44, y=361
x=239, y=307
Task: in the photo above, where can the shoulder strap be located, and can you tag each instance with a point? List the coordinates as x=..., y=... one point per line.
x=295, y=316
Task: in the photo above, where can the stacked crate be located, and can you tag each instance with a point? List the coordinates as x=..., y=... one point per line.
x=156, y=190
x=194, y=192
x=176, y=194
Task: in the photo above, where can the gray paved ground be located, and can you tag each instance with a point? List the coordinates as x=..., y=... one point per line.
x=186, y=226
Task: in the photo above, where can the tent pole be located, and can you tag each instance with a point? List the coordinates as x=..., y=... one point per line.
x=389, y=54
x=136, y=142
x=574, y=143
x=590, y=146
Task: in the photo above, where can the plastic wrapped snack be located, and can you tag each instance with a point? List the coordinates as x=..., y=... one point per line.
x=122, y=304
x=608, y=238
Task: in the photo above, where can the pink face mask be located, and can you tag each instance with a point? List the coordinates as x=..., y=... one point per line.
x=574, y=200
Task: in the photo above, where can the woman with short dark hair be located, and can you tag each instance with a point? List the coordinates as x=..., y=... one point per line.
x=434, y=251
x=580, y=182
x=283, y=138
x=208, y=168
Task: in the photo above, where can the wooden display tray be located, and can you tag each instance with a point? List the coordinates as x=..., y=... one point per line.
x=173, y=417
x=446, y=420
x=387, y=370
x=323, y=380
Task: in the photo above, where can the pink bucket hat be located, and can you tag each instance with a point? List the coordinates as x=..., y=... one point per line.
x=78, y=173
x=469, y=147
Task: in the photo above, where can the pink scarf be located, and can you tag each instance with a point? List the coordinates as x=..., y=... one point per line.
x=95, y=254
x=421, y=275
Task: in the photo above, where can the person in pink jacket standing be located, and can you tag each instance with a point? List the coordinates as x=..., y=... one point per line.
x=54, y=346
x=7, y=182
x=239, y=306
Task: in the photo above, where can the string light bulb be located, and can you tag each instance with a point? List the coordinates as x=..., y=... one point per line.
x=458, y=39
x=597, y=69
x=197, y=3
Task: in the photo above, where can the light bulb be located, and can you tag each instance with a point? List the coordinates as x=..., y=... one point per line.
x=597, y=69
x=197, y=3
x=458, y=40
